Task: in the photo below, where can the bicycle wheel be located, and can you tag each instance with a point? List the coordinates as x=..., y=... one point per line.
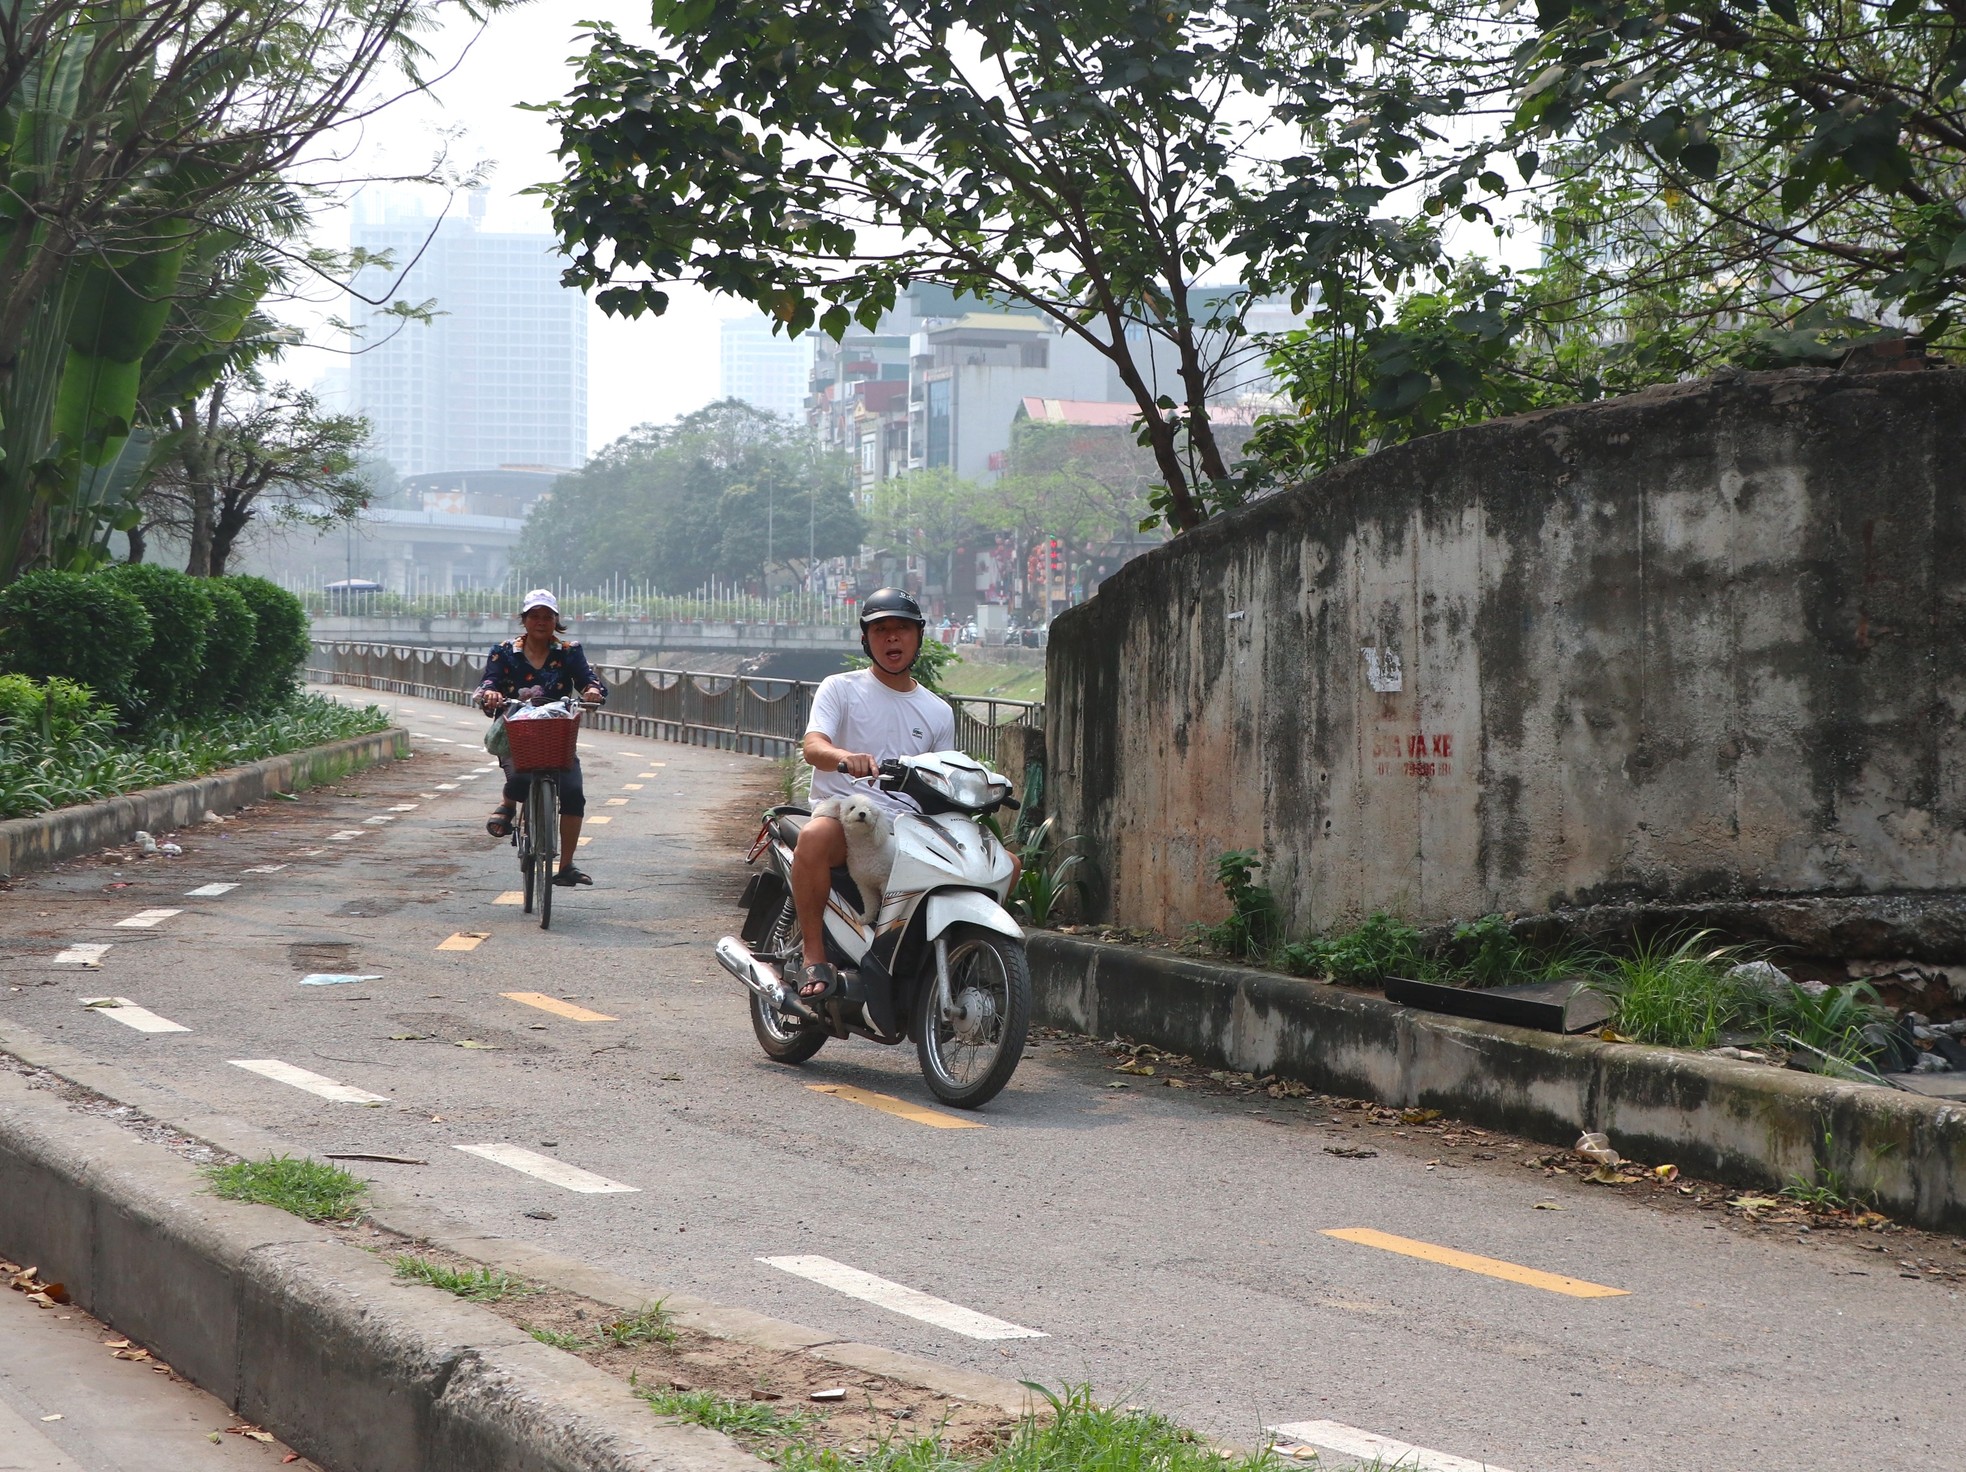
x=546, y=843
x=522, y=836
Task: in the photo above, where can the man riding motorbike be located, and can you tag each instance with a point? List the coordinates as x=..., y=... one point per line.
x=859, y=719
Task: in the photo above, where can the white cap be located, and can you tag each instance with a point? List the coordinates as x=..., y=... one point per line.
x=539, y=598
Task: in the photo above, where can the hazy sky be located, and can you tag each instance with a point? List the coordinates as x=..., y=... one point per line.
x=653, y=369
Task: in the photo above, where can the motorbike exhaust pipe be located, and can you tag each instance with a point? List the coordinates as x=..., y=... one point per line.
x=736, y=958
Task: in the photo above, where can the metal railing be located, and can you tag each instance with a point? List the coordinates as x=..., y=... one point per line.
x=742, y=713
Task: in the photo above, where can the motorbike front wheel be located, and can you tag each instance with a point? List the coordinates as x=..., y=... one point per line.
x=784, y=1039
x=969, y=1057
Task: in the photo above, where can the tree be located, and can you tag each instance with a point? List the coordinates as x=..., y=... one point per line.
x=125, y=133
x=243, y=456
x=718, y=493
x=1093, y=161
x=1819, y=143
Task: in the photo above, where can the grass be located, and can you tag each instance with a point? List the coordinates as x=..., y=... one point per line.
x=754, y=1418
x=307, y=1188
x=974, y=676
x=479, y=1285
x=647, y=1325
x=1676, y=993
x=573, y=1343
x=1078, y=1436
x=97, y=763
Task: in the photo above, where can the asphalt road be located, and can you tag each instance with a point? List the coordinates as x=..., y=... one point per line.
x=1169, y=1248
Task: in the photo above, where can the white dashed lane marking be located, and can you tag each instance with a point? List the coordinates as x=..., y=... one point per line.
x=447, y=787
x=265, y=869
x=1371, y=1448
x=144, y=919
x=83, y=955
x=404, y=807
x=899, y=1299
x=545, y=1168
x=313, y=1083
x=209, y=891
x=131, y=1015
x=345, y=835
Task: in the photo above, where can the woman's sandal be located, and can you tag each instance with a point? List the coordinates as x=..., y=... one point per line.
x=499, y=824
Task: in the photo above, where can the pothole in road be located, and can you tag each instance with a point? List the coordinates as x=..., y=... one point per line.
x=320, y=955
x=367, y=909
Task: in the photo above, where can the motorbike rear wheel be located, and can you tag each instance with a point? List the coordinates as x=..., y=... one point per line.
x=784, y=1039
x=968, y=1059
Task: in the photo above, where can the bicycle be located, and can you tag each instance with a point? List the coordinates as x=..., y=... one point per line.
x=541, y=750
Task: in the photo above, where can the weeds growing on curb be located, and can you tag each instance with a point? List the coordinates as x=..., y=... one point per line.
x=1254, y=925
x=794, y=779
x=1078, y=1434
x=307, y=1188
x=479, y=1285
x=721, y=1413
x=572, y=1343
x=1050, y=873
x=1675, y=993
x=647, y=1325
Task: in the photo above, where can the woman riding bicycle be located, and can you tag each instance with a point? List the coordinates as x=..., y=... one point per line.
x=539, y=666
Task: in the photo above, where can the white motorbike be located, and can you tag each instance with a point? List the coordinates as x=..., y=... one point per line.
x=942, y=962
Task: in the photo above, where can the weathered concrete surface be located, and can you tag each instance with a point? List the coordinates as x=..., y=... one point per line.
x=311, y=1338
x=1741, y=1123
x=48, y=838
x=1701, y=643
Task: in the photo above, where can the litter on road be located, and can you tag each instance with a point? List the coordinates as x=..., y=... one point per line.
x=334, y=978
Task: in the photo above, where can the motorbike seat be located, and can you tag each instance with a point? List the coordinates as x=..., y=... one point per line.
x=787, y=826
x=846, y=889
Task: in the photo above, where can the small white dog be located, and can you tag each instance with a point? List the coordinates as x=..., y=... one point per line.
x=869, y=846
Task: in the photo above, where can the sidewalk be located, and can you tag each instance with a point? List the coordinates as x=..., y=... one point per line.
x=110, y=1415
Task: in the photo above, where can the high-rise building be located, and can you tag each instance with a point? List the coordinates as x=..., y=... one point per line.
x=498, y=377
x=766, y=370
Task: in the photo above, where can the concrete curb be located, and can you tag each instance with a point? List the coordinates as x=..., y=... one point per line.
x=314, y=1340
x=1741, y=1123
x=48, y=838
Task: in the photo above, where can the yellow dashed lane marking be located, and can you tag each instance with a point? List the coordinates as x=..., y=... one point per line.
x=602, y=820
x=631, y=787
x=901, y=1108
x=511, y=897
x=558, y=1007
x=645, y=774
x=617, y=802
x=464, y=940
x=1467, y=1261
x=585, y=841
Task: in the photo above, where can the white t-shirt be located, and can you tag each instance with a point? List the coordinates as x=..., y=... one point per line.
x=857, y=712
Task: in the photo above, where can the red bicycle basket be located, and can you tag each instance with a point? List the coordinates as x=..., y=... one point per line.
x=541, y=746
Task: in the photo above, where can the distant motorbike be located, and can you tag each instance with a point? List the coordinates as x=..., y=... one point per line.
x=942, y=963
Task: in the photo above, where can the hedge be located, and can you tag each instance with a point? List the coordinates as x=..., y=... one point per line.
x=167, y=668
x=156, y=644
x=280, y=646
x=230, y=652
x=71, y=627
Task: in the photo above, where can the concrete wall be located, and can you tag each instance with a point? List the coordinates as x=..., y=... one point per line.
x=1704, y=641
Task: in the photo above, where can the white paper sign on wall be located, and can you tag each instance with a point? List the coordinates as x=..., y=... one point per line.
x=1382, y=670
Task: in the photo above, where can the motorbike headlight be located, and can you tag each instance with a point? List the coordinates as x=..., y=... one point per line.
x=971, y=789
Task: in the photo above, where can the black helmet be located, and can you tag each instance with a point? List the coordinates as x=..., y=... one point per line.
x=889, y=603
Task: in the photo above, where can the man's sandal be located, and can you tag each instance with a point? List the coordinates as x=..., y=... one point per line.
x=499, y=824
x=818, y=983
x=570, y=876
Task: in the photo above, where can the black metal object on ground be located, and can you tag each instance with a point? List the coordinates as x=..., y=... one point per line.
x=1547, y=1006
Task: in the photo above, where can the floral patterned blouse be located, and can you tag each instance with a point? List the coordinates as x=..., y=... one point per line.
x=511, y=674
